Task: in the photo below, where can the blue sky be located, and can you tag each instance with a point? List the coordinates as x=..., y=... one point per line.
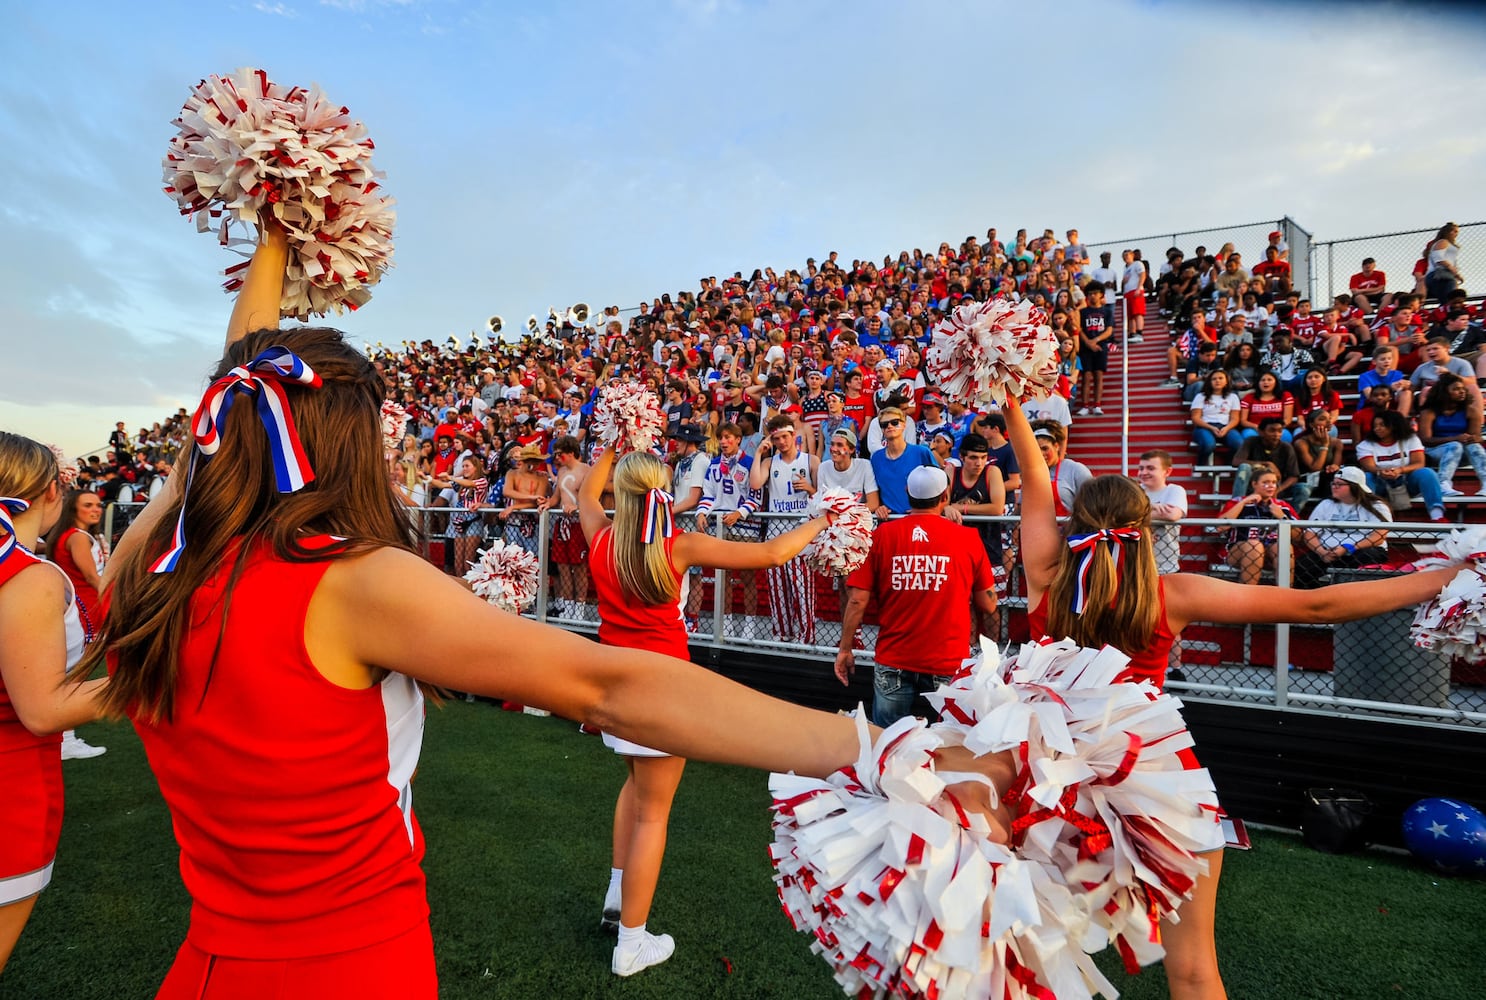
x=545, y=154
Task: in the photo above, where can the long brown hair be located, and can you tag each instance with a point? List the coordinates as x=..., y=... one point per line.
x=1121, y=607
x=234, y=502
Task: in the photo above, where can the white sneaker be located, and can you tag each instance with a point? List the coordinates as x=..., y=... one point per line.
x=75, y=748
x=1083, y=411
x=1450, y=491
x=1098, y=411
x=1137, y=339
x=653, y=949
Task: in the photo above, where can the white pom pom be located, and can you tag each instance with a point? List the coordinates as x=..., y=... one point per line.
x=842, y=547
x=394, y=424
x=506, y=576
x=627, y=417
x=1453, y=623
x=67, y=469
x=983, y=352
x=247, y=147
x=906, y=893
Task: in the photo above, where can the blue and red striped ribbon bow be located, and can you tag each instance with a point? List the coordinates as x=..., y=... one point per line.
x=9, y=506
x=262, y=378
x=660, y=521
x=1083, y=546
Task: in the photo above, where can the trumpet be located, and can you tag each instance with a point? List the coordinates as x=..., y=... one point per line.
x=494, y=324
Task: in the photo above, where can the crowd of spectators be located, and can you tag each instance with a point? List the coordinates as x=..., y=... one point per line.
x=1254, y=362
x=837, y=348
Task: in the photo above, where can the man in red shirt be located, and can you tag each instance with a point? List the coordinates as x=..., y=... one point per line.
x=1370, y=283
x=1275, y=272
x=924, y=571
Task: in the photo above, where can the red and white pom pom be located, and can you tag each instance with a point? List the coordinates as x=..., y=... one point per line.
x=983, y=352
x=247, y=147
x=1453, y=623
x=627, y=417
x=506, y=576
x=906, y=894
x=67, y=469
x=394, y=424
x=843, y=546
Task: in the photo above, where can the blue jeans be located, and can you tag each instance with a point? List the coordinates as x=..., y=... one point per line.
x=1422, y=483
x=1448, y=455
x=1206, y=442
x=893, y=691
x=1249, y=432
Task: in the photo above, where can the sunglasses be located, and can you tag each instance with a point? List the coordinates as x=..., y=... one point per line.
x=892, y=423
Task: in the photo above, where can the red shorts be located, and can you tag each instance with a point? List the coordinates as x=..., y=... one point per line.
x=569, y=547
x=1135, y=303
x=31, y=816
x=392, y=970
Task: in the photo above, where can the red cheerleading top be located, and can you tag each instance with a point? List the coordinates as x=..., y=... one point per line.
x=87, y=596
x=627, y=621
x=13, y=735
x=290, y=796
x=1148, y=664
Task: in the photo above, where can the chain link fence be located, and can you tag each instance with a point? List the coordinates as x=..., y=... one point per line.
x=1368, y=667
x=1248, y=238
x=1334, y=262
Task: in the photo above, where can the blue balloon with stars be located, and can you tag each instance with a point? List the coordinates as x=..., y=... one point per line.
x=1449, y=834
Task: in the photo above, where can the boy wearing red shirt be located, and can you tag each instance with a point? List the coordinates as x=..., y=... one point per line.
x=924, y=570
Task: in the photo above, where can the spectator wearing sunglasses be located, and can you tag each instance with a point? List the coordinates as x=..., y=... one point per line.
x=892, y=463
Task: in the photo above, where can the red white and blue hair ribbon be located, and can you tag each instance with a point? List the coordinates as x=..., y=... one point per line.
x=660, y=521
x=262, y=378
x=1083, y=547
x=9, y=506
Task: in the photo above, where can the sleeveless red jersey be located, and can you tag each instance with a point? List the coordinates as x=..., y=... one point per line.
x=290, y=796
x=87, y=596
x=1148, y=664
x=13, y=735
x=627, y=621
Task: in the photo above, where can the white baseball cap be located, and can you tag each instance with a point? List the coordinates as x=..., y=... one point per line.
x=927, y=482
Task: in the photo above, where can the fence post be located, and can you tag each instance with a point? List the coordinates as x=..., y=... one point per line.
x=1330, y=272
x=543, y=538
x=1284, y=554
x=719, y=592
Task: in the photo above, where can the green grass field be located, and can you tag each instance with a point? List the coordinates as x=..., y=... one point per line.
x=516, y=813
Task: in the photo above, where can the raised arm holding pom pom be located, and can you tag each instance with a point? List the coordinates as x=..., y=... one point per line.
x=1095, y=581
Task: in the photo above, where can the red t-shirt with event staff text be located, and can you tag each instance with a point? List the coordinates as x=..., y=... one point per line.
x=923, y=571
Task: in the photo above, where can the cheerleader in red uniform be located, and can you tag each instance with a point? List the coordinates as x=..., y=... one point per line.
x=1096, y=583
x=75, y=550
x=269, y=628
x=41, y=636
x=639, y=567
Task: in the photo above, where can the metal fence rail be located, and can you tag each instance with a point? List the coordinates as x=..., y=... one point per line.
x=1365, y=668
